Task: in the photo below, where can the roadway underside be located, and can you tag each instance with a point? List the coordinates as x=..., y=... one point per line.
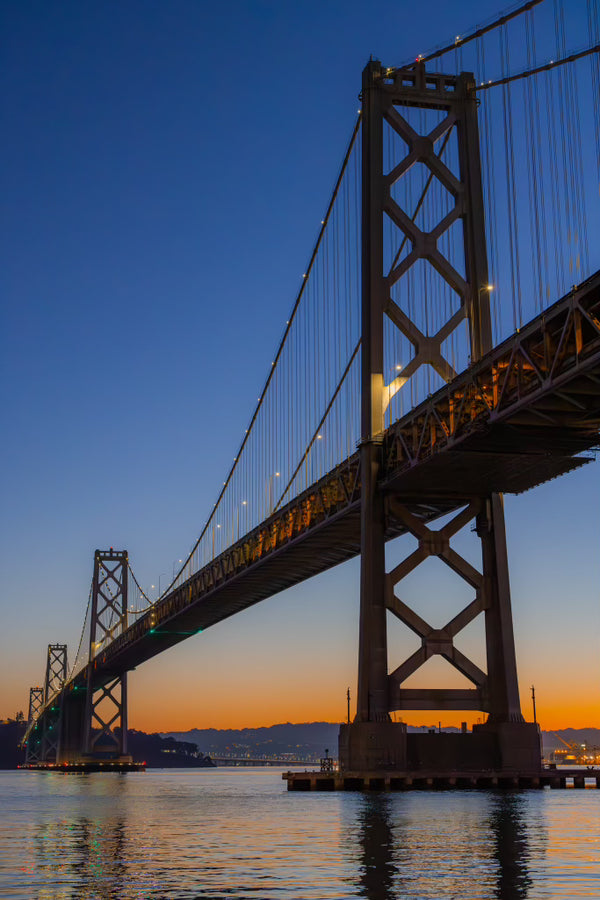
x=337, y=540
x=519, y=417
x=488, y=464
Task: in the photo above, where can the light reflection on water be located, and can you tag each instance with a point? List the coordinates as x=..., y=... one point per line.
x=237, y=833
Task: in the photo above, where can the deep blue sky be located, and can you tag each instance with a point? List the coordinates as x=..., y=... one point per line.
x=165, y=167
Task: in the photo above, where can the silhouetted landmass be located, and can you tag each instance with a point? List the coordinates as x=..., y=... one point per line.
x=306, y=741
x=165, y=752
x=309, y=740
x=11, y=733
x=157, y=752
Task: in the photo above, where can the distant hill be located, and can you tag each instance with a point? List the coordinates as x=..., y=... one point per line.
x=310, y=739
x=307, y=741
x=588, y=736
x=193, y=748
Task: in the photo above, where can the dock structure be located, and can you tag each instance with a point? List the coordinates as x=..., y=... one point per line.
x=92, y=765
x=431, y=780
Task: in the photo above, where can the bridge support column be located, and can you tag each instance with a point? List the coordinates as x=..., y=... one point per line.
x=518, y=742
x=372, y=658
x=73, y=726
x=368, y=738
x=502, y=684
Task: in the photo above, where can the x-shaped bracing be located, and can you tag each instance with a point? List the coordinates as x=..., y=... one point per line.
x=108, y=582
x=56, y=669
x=106, y=692
x=436, y=641
x=428, y=349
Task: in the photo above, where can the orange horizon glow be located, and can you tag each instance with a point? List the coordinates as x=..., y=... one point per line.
x=226, y=707
x=556, y=718
x=287, y=682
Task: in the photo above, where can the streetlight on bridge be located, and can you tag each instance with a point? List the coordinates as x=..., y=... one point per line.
x=270, y=493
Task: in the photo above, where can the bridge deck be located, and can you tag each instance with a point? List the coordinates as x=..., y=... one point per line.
x=520, y=416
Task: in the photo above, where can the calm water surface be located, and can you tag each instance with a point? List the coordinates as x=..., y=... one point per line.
x=237, y=833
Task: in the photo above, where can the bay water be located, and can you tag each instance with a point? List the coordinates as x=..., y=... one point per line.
x=237, y=833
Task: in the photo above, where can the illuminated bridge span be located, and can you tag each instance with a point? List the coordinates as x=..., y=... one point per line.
x=407, y=387
x=523, y=415
x=261, y=761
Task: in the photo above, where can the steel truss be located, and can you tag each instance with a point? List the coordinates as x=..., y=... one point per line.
x=106, y=700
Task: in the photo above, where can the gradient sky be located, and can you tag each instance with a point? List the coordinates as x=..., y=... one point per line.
x=165, y=167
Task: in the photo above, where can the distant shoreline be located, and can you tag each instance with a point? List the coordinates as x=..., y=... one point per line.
x=310, y=739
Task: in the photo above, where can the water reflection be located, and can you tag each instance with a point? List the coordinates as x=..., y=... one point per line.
x=378, y=869
x=80, y=860
x=437, y=845
x=218, y=834
x=509, y=827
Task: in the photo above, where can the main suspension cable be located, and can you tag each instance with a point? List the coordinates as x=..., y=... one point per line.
x=553, y=64
x=484, y=29
x=276, y=358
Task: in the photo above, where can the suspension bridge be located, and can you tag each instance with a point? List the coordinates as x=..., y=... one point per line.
x=443, y=349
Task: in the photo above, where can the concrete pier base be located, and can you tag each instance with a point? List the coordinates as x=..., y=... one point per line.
x=515, y=745
x=513, y=749
x=372, y=746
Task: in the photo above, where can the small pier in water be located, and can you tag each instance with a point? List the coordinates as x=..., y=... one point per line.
x=334, y=780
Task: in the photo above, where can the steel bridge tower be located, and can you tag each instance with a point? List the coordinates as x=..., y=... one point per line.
x=56, y=675
x=87, y=722
x=95, y=706
x=33, y=747
x=106, y=701
x=373, y=741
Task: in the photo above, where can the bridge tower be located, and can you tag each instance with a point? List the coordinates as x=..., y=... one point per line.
x=74, y=723
x=106, y=693
x=373, y=741
x=33, y=747
x=56, y=675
